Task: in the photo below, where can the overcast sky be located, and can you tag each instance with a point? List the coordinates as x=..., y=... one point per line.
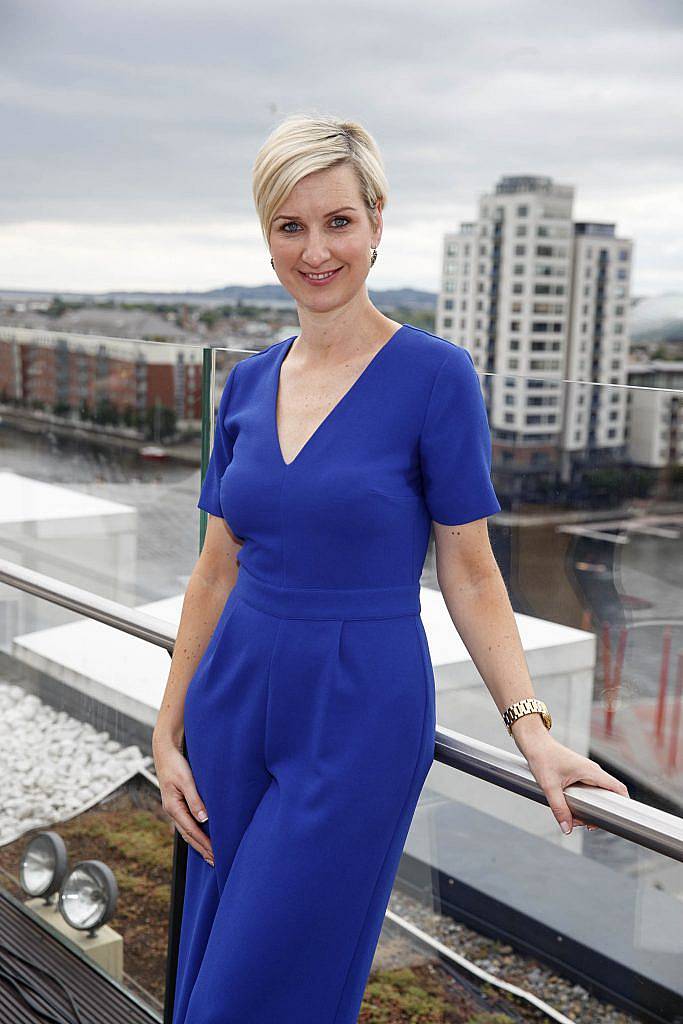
x=128, y=129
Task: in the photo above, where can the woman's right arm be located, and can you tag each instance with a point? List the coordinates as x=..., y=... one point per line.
x=210, y=583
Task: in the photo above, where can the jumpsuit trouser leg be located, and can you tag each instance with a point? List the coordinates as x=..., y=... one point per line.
x=310, y=731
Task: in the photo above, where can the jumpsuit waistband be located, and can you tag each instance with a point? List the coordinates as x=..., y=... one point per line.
x=323, y=603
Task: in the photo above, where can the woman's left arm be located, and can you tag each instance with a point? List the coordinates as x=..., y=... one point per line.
x=479, y=605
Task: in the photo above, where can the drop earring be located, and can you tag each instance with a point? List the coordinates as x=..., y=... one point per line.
x=272, y=263
x=373, y=257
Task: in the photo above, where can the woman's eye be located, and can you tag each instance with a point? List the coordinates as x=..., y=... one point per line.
x=292, y=223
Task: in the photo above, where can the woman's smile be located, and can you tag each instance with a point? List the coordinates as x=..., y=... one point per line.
x=323, y=278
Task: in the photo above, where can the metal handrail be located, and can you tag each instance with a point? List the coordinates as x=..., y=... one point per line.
x=129, y=620
x=638, y=822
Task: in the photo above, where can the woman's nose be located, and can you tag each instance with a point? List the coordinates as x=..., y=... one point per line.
x=315, y=250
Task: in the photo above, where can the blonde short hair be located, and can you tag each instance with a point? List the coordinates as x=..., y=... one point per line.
x=304, y=143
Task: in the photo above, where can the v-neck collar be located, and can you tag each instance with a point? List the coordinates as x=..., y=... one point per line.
x=287, y=344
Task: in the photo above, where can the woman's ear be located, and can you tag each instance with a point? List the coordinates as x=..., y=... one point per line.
x=377, y=233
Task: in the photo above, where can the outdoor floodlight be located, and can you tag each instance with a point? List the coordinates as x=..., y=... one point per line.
x=43, y=865
x=87, y=898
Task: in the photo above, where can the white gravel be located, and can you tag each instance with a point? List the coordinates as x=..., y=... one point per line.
x=53, y=766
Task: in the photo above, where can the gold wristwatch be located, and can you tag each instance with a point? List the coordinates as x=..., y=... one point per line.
x=526, y=707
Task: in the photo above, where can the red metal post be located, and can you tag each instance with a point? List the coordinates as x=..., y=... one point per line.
x=619, y=661
x=663, y=682
x=676, y=717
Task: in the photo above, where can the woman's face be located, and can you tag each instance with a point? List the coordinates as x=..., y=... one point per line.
x=323, y=226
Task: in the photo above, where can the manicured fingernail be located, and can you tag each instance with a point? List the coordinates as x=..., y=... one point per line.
x=209, y=861
x=566, y=827
x=203, y=816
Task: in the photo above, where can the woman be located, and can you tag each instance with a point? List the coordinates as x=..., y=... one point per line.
x=302, y=682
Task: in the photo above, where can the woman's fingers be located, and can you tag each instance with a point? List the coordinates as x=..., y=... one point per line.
x=193, y=799
x=189, y=829
x=180, y=799
x=580, y=821
x=558, y=805
x=194, y=802
x=557, y=767
x=597, y=776
x=607, y=781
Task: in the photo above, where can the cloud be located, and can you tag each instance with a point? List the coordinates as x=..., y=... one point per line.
x=137, y=118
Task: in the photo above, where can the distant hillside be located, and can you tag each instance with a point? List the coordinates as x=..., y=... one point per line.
x=652, y=318
x=258, y=295
x=408, y=297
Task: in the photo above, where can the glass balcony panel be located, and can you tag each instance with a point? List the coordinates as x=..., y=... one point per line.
x=76, y=760
x=99, y=481
x=589, y=545
x=587, y=532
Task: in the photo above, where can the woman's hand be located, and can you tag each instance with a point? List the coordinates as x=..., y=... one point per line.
x=555, y=767
x=179, y=795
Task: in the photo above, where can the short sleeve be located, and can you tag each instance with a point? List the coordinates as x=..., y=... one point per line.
x=455, y=445
x=221, y=454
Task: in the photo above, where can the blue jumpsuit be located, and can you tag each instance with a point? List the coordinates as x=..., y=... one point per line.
x=310, y=719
